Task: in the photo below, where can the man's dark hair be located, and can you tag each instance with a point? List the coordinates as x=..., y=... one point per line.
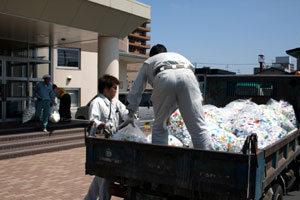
x=156, y=49
x=54, y=86
x=107, y=81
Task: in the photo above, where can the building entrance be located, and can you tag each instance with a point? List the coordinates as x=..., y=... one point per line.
x=18, y=76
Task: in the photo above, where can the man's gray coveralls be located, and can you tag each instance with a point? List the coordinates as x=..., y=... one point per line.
x=174, y=84
x=102, y=110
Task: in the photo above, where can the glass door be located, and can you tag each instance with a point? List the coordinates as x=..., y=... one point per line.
x=21, y=68
x=16, y=87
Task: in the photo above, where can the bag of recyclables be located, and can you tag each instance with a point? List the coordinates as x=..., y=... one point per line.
x=135, y=134
x=130, y=133
x=54, y=115
x=28, y=113
x=230, y=126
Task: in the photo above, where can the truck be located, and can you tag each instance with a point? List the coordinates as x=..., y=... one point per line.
x=142, y=171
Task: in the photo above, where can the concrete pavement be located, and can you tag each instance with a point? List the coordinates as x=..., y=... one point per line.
x=47, y=176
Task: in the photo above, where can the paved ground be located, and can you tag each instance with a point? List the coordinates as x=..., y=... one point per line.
x=48, y=176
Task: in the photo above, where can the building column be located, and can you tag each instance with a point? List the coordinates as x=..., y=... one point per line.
x=108, y=56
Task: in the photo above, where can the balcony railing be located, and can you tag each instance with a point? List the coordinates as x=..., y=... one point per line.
x=138, y=53
x=138, y=36
x=138, y=45
x=147, y=29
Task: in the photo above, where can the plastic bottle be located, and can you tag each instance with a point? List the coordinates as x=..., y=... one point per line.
x=92, y=129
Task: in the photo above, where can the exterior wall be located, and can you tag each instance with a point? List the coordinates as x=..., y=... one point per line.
x=123, y=77
x=132, y=71
x=123, y=44
x=84, y=78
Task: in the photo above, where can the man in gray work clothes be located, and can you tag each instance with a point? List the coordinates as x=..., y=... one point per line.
x=174, y=85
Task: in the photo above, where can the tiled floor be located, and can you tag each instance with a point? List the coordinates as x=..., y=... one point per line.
x=48, y=176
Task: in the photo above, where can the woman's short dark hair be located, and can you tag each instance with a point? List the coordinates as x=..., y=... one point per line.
x=107, y=81
x=54, y=86
x=156, y=49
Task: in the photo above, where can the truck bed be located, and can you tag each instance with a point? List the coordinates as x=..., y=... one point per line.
x=192, y=172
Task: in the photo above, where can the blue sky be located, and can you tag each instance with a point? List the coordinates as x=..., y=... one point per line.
x=226, y=33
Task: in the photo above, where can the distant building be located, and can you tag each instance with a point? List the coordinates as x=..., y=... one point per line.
x=296, y=54
x=282, y=66
x=270, y=70
x=285, y=63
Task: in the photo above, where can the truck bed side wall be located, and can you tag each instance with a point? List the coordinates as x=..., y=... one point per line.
x=208, y=172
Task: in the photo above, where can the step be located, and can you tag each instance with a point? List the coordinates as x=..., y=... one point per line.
x=20, y=128
x=8, y=145
x=44, y=148
x=39, y=134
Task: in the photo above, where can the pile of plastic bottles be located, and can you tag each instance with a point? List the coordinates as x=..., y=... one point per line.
x=229, y=126
x=178, y=129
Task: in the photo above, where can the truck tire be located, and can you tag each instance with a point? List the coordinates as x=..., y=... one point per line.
x=278, y=193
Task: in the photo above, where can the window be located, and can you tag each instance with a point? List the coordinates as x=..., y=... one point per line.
x=145, y=101
x=251, y=89
x=68, y=58
x=75, y=96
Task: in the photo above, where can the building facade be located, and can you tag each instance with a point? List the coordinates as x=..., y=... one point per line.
x=47, y=37
x=282, y=65
x=138, y=40
x=137, y=45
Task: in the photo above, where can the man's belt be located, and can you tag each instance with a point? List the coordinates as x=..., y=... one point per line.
x=165, y=67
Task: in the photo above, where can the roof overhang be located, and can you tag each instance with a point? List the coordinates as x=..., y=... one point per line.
x=54, y=22
x=131, y=58
x=294, y=52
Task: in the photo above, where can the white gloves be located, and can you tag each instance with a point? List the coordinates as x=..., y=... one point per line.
x=108, y=126
x=128, y=120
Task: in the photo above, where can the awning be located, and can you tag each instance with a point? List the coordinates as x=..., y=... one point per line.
x=131, y=58
x=68, y=21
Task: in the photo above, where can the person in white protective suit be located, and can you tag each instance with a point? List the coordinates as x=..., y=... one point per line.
x=107, y=113
x=174, y=85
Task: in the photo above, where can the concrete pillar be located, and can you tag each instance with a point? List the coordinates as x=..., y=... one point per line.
x=108, y=56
